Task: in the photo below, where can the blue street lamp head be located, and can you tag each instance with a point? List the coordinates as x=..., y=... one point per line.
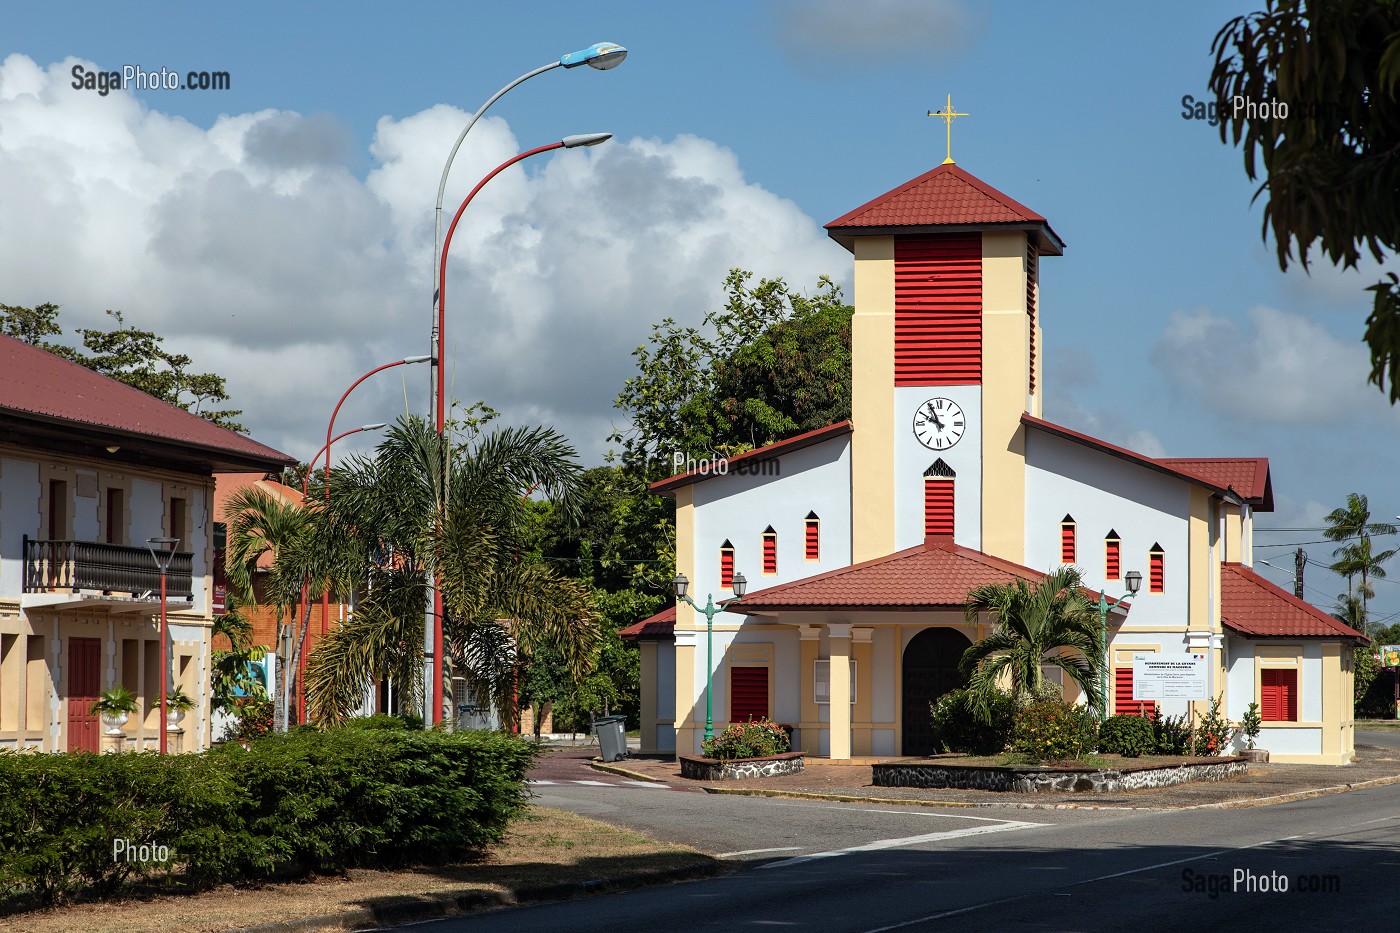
x=603, y=55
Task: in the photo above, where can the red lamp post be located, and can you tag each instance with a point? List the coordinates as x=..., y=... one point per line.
x=163, y=550
x=433, y=649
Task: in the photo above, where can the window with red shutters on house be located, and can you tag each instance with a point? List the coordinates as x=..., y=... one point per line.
x=1278, y=694
x=1112, y=556
x=748, y=693
x=1123, y=702
x=770, y=550
x=1157, y=570
x=812, y=537
x=726, y=565
x=1067, y=546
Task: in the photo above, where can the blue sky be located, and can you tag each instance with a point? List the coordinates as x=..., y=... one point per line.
x=286, y=220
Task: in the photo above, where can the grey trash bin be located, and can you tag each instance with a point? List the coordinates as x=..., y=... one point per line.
x=612, y=736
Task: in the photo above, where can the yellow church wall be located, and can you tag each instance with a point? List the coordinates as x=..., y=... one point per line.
x=685, y=555
x=1005, y=378
x=1234, y=533
x=1039, y=393
x=872, y=400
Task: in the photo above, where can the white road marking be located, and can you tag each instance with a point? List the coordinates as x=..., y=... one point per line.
x=541, y=782
x=649, y=785
x=889, y=812
x=757, y=851
x=877, y=845
x=594, y=783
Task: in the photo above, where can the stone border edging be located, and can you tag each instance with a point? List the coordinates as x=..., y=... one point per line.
x=1030, y=779
x=697, y=768
x=435, y=906
x=598, y=765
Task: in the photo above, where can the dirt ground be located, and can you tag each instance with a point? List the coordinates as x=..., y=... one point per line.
x=547, y=848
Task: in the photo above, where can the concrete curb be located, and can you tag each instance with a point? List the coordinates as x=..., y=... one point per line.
x=623, y=772
x=1019, y=805
x=434, y=906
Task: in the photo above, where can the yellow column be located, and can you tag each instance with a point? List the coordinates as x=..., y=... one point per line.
x=862, y=718
x=687, y=700
x=810, y=725
x=1005, y=383
x=872, y=400
x=839, y=640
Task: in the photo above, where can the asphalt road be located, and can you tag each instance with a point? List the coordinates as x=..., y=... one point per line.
x=1387, y=738
x=838, y=867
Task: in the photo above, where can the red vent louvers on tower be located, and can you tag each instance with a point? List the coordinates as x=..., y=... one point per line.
x=726, y=565
x=938, y=310
x=1032, y=284
x=938, y=507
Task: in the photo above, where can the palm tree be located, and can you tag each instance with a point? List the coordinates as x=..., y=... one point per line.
x=1051, y=622
x=388, y=526
x=1357, y=558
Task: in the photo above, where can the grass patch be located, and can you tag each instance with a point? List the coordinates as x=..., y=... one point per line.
x=545, y=847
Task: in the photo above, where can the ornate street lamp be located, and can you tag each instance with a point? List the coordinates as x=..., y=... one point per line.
x=740, y=587
x=1133, y=579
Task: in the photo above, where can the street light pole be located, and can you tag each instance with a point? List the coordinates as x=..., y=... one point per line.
x=432, y=632
x=710, y=610
x=163, y=557
x=1133, y=579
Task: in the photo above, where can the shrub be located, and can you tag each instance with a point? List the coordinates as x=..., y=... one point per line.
x=1129, y=736
x=758, y=739
x=958, y=726
x=254, y=718
x=1214, y=731
x=1251, y=724
x=1173, y=734
x=291, y=803
x=1050, y=730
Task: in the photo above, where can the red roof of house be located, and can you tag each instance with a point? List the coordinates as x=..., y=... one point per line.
x=757, y=455
x=948, y=196
x=228, y=485
x=1253, y=606
x=937, y=574
x=1247, y=477
x=45, y=391
x=661, y=625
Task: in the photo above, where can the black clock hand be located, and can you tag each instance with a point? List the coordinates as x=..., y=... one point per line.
x=934, y=415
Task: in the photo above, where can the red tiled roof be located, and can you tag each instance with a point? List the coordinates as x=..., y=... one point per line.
x=1249, y=476
x=41, y=387
x=937, y=574
x=661, y=625
x=1253, y=606
x=757, y=455
x=946, y=196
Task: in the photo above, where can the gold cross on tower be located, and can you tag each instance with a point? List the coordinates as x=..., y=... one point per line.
x=948, y=114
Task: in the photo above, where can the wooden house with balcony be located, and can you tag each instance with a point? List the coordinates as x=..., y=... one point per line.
x=90, y=470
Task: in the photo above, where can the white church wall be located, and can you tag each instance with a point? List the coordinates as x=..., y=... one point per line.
x=1310, y=683
x=913, y=458
x=85, y=525
x=1239, y=677
x=1104, y=493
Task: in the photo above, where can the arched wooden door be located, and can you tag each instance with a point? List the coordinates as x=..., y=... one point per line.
x=930, y=670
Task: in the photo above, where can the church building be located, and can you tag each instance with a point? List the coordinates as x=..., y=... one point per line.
x=860, y=541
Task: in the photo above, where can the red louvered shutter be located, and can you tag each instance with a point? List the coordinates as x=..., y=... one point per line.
x=726, y=567
x=1067, y=548
x=1032, y=285
x=938, y=310
x=770, y=552
x=1112, y=558
x=813, y=539
x=748, y=693
x=1123, y=702
x=938, y=507
x=1278, y=695
x=1157, y=572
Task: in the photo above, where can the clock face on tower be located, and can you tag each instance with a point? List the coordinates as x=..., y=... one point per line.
x=939, y=423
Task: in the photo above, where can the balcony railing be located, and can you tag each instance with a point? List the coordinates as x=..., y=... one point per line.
x=51, y=566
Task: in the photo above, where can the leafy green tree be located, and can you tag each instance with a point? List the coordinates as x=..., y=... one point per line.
x=129, y=355
x=1332, y=166
x=389, y=524
x=231, y=675
x=1049, y=623
x=1357, y=558
x=779, y=364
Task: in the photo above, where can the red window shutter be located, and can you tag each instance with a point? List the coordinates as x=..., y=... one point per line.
x=1278, y=695
x=1157, y=579
x=1123, y=702
x=1112, y=558
x=1067, y=548
x=938, y=310
x=813, y=539
x=748, y=693
x=770, y=552
x=938, y=507
x=1032, y=286
x=726, y=567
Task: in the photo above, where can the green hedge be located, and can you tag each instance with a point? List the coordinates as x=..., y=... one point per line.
x=290, y=804
x=959, y=726
x=1129, y=736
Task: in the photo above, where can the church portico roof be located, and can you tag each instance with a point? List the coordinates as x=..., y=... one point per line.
x=937, y=574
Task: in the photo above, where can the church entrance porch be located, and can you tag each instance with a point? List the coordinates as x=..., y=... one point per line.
x=930, y=669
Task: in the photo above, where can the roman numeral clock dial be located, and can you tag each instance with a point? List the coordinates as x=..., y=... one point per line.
x=939, y=423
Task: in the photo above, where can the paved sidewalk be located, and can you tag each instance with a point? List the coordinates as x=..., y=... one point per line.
x=1262, y=784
